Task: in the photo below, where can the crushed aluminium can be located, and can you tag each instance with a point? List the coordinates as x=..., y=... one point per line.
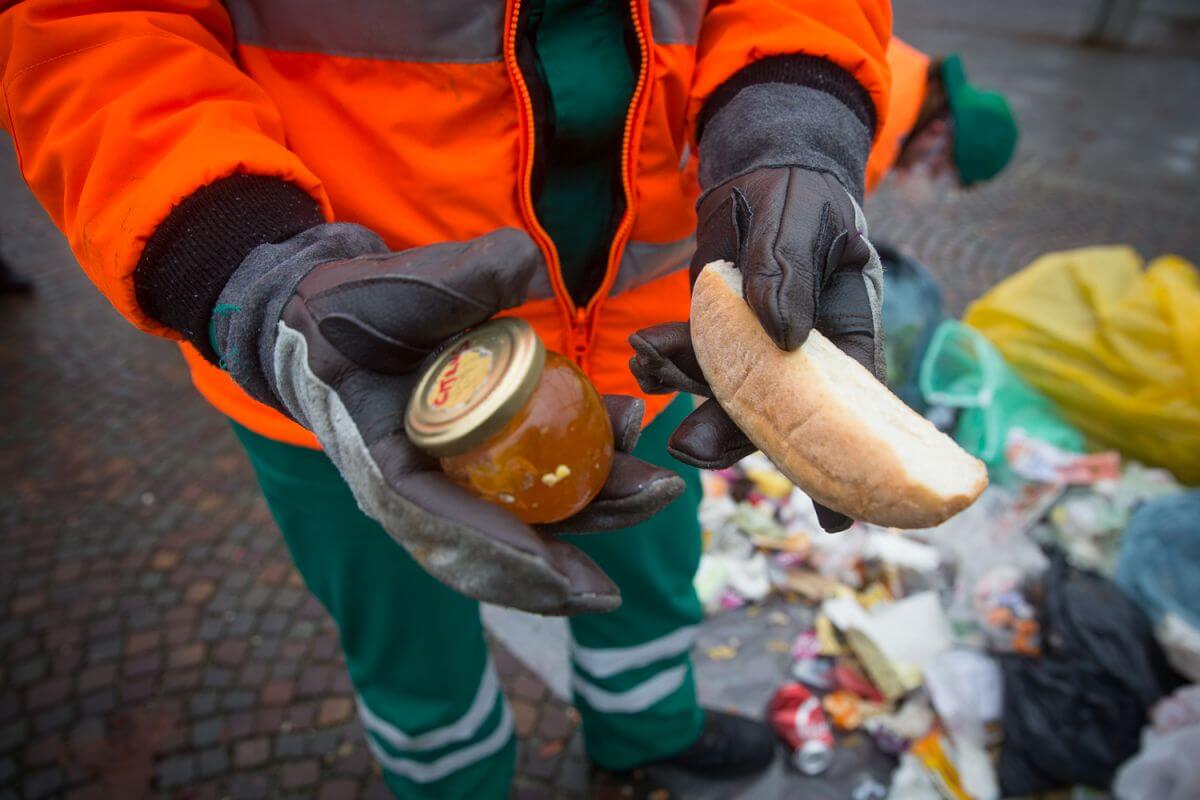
x=796, y=716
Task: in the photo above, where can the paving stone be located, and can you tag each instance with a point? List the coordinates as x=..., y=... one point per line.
x=43, y=751
x=10, y=706
x=99, y=702
x=337, y=789
x=238, y=700
x=303, y=629
x=527, y=687
x=573, y=775
x=29, y=671
x=24, y=604
x=324, y=743
x=87, y=731
x=289, y=745
x=206, y=732
x=277, y=693
x=103, y=628
x=376, y=790
x=299, y=774
x=217, y=678
x=214, y=760
x=269, y=720
x=355, y=763
x=164, y=560
x=274, y=623
x=176, y=771
x=143, y=665
x=199, y=592
x=176, y=680
x=97, y=677
x=52, y=718
x=43, y=782
x=301, y=715
x=334, y=711
x=103, y=650
x=539, y=761
x=251, y=752
x=188, y=655
x=250, y=786
x=554, y=722
x=202, y=704
x=525, y=715
x=285, y=669
x=142, y=641
x=210, y=630
x=144, y=618
x=231, y=652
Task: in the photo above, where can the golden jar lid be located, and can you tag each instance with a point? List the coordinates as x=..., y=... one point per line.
x=475, y=387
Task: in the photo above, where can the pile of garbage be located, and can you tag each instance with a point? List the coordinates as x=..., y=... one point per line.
x=1025, y=644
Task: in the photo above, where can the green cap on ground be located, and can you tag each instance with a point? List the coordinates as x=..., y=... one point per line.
x=985, y=130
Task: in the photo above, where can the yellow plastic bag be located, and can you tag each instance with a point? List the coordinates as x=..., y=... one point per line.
x=1116, y=347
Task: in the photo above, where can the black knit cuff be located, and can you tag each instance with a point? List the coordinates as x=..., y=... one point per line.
x=799, y=70
x=190, y=256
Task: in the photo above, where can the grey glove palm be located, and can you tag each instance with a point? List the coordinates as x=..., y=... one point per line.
x=331, y=328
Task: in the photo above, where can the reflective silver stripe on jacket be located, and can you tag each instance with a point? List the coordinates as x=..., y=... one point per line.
x=451, y=31
x=641, y=263
x=448, y=31
x=676, y=21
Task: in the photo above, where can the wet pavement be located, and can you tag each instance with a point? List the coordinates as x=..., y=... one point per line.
x=154, y=638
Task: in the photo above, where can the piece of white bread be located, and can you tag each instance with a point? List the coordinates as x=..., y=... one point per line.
x=824, y=420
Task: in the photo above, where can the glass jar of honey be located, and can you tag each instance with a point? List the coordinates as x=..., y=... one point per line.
x=513, y=423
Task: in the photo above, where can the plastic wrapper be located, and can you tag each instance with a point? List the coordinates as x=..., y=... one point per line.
x=1166, y=767
x=995, y=562
x=893, y=641
x=894, y=733
x=967, y=689
x=1089, y=523
x=962, y=370
x=1112, y=344
x=910, y=781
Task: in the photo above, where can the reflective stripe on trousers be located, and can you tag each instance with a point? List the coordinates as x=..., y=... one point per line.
x=463, y=732
x=601, y=663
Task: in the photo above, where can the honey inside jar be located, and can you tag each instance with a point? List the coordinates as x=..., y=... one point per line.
x=513, y=424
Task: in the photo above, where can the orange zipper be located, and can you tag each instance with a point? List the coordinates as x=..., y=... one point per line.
x=579, y=323
x=629, y=140
x=524, y=191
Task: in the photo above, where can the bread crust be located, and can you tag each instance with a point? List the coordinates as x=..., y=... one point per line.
x=810, y=428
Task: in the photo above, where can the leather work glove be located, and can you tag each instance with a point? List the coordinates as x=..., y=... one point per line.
x=779, y=164
x=332, y=328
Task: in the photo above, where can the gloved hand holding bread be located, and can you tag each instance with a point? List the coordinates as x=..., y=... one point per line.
x=785, y=332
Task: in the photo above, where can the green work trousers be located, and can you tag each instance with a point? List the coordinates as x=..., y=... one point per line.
x=428, y=695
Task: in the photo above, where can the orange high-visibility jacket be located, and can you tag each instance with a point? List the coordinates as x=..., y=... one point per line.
x=412, y=118
x=910, y=74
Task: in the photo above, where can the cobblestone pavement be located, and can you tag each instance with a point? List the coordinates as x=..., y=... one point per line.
x=154, y=638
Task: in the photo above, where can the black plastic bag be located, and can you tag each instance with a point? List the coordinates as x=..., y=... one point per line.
x=1075, y=714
